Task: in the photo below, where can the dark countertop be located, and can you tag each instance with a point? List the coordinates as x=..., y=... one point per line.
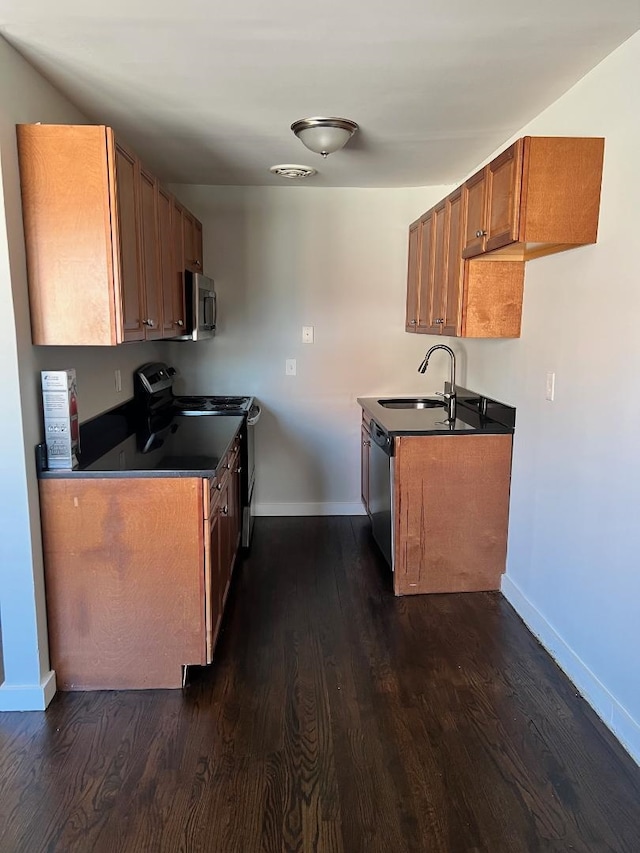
x=193, y=450
x=475, y=415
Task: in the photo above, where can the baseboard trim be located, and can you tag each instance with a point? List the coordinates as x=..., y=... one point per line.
x=330, y=508
x=611, y=712
x=28, y=697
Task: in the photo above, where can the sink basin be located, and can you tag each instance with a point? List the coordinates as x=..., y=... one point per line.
x=411, y=403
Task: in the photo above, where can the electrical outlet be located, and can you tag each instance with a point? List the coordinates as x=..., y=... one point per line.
x=290, y=367
x=551, y=386
x=307, y=334
x=118, y=380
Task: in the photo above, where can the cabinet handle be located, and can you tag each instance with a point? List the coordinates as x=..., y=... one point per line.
x=481, y=233
x=179, y=323
x=148, y=322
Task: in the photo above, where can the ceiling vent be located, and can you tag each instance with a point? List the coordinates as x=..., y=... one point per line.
x=292, y=171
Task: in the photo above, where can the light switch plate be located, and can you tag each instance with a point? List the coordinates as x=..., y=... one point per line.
x=307, y=334
x=290, y=367
x=551, y=386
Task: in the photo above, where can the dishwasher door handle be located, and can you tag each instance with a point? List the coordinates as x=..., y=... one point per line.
x=381, y=438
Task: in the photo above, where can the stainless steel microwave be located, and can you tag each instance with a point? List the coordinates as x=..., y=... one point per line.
x=200, y=307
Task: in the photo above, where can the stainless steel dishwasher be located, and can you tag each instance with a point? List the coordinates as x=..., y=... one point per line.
x=381, y=489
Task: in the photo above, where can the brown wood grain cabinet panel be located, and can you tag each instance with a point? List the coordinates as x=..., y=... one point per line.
x=474, y=199
x=152, y=277
x=127, y=243
x=67, y=216
x=562, y=178
x=451, y=512
x=425, y=276
x=453, y=284
x=125, y=586
x=492, y=299
x=435, y=292
x=365, y=449
x=179, y=266
x=504, y=182
x=413, y=272
x=167, y=262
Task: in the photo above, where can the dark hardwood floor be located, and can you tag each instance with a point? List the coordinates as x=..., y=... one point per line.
x=336, y=718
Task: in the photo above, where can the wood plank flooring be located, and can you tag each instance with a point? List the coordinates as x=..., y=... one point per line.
x=336, y=719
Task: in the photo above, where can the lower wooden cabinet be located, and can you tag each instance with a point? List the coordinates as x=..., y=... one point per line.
x=137, y=573
x=365, y=449
x=450, y=512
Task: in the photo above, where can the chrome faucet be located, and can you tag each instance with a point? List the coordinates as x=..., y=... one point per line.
x=449, y=396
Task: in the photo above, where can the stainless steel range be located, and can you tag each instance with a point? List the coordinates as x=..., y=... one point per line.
x=158, y=407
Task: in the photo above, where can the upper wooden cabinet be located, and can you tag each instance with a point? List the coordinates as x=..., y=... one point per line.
x=541, y=195
x=100, y=241
x=449, y=296
x=467, y=254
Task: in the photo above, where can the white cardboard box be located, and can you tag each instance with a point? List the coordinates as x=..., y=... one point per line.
x=60, y=404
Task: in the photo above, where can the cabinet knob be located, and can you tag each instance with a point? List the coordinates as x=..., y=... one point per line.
x=179, y=323
x=148, y=322
x=413, y=322
x=219, y=486
x=225, y=510
x=238, y=470
x=197, y=264
x=439, y=321
x=481, y=233
x=366, y=443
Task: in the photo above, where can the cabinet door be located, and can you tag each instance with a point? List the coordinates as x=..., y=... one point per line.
x=224, y=576
x=198, y=252
x=474, y=199
x=165, y=239
x=425, y=275
x=435, y=303
x=504, y=182
x=234, y=506
x=178, y=267
x=150, y=257
x=131, y=286
x=365, y=445
x=213, y=593
x=413, y=272
x=454, y=272
x=192, y=237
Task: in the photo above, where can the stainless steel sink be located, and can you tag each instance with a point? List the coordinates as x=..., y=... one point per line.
x=410, y=403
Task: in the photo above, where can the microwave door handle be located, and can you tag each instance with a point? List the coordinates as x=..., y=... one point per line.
x=210, y=312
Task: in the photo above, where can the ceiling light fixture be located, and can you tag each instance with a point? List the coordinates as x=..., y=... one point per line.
x=291, y=170
x=324, y=135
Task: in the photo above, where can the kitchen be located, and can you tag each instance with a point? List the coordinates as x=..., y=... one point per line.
x=572, y=518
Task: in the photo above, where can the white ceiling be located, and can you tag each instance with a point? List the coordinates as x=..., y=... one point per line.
x=205, y=92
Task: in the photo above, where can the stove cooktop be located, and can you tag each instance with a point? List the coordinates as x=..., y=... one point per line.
x=211, y=404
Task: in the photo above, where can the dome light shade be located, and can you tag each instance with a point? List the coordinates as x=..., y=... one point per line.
x=324, y=135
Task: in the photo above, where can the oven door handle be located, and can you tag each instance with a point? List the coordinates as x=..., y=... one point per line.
x=254, y=415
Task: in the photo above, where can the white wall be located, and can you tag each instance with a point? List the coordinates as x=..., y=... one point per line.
x=26, y=680
x=331, y=258
x=574, y=541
